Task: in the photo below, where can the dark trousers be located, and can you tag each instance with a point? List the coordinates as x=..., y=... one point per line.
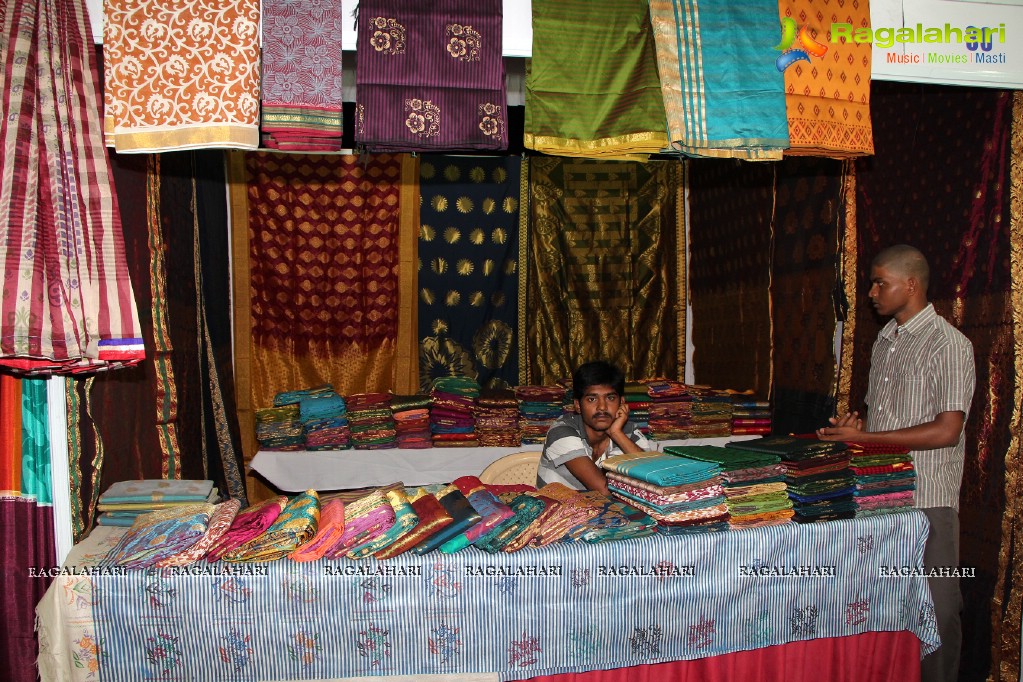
x=942, y=550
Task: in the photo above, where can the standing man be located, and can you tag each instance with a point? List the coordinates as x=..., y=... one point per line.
x=576, y=443
x=922, y=378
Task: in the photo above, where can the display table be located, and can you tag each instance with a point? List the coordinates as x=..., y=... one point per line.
x=542, y=611
x=299, y=470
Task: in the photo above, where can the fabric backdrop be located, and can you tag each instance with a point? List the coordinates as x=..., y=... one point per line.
x=958, y=214
x=605, y=275
x=469, y=269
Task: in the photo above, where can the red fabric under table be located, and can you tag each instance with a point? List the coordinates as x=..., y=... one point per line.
x=874, y=656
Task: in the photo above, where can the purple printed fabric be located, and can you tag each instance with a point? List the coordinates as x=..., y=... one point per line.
x=430, y=76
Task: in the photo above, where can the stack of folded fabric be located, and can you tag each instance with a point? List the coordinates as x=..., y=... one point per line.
x=411, y=415
x=671, y=410
x=564, y=509
x=296, y=525
x=371, y=422
x=365, y=518
x=681, y=494
x=616, y=521
x=525, y=510
x=539, y=408
x=280, y=428
x=433, y=518
x=248, y=524
x=497, y=418
x=463, y=516
x=753, y=484
x=750, y=416
x=712, y=413
x=493, y=512
x=817, y=474
x=885, y=478
x=639, y=405
x=125, y=501
x=325, y=422
x=405, y=520
x=159, y=535
x=453, y=403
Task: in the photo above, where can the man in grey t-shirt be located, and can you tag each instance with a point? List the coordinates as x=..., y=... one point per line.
x=576, y=443
x=922, y=377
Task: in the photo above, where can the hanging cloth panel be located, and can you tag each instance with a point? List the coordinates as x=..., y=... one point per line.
x=181, y=74
x=67, y=303
x=430, y=75
x=723, y=95
x=591, y=86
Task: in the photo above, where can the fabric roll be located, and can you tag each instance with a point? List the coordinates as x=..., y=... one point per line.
x=221, y=520
x=714, y=109
x=591, y=86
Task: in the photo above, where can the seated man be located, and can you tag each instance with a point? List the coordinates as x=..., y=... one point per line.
x=576, y=443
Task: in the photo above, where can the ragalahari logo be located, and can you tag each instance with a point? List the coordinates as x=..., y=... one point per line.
x=796, y=43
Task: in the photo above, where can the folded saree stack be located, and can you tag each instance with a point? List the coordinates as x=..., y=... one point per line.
x=817, y=475
x=753, y=484
x=671, y=410
x=750, y=416
x=296, y=525
x=411, y=415
x=614, y=521
x=682, y=495
x=497, y=418
x=639, y=405
x=125, y=501
x=280, y=428
x=885, y=477
x=325, y=422
x=712, y=413
x=371, y=421
x=159, y=535
x=539, y=408
x=453, y=404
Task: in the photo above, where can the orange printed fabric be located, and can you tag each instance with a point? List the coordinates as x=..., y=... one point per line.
x=827, y=85
x=181, y=74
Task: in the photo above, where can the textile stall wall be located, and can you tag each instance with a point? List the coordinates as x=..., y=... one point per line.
x=324, y=257
x=173, y=415
x=949, y=195
x=606, y=274
x=731, y=215
x=804, y=273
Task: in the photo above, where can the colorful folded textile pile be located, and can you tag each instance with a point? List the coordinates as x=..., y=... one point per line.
x=463, y=516
x=301, y=97
x=712, y=413
x=125, y=501
x=453, y=403
x=371, y=421
x=411, y=415
x=405, y=520
x=433, y=518
x=493, y=512
x=280, y=428
x=220, y=522
x=750, y=416
x=753, y=484
x=325, y=422
x=885, y=477
x=525, y=509
x=366, y=518
x=160, y=535
x=671, y=410
x=616, y=521
x=539, y=408
x=639, y=402
x=674, y=491
x=497, y=418
x=332, y=527
x=249, y=523
x=565, y=509
x=296, y=525
x=816, y=472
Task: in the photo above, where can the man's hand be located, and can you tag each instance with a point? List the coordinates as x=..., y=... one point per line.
x=621, y=416
x=847, y=427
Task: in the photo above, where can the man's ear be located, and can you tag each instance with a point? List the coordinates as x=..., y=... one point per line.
x=912, y=284
x=578, y=409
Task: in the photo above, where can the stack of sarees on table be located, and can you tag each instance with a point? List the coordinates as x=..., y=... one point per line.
x=125, y=501
x=884, y=476
x=753, y=483
x=280, y=428
x=325, y=421
x=671, y=410
x=452, y=412
x=682, y=495
x=497, y=418
x=712, y=413
x=750, y=416
x=411, y=414
x=817, y=474
x=371, y=421
x=539, y=408
x=639, y=402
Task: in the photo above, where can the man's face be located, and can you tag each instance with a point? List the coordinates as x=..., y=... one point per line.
x=598, y=407
x=889, y=291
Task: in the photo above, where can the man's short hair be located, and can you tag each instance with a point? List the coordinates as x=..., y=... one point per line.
x=597, y=373
x=906, y=260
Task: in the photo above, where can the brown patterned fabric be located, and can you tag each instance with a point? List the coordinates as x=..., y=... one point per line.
x=604, y=271
x=804, y=271
x=730, y=214
x=940, y=181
